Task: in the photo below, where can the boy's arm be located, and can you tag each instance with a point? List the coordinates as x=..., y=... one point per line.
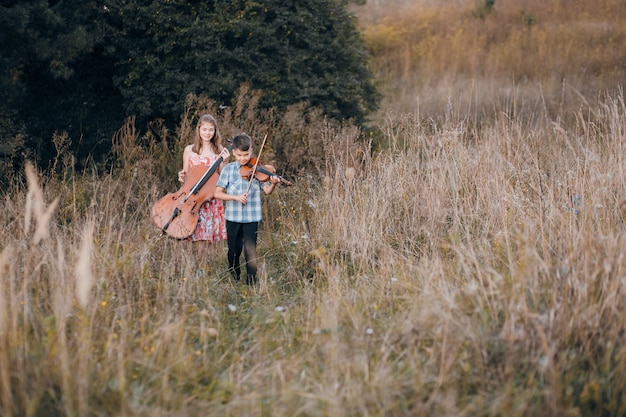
x=269, y=188
x=220, y=193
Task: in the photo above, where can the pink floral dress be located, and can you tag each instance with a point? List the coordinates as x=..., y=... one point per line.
x=211, y=224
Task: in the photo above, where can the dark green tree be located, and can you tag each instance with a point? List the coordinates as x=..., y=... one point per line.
x=292, y=51
x=82, y=67
x=56, y=76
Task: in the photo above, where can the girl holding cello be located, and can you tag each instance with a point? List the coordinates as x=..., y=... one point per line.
x=205, y=150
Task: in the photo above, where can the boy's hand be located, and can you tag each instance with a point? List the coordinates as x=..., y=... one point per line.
x=242, y=198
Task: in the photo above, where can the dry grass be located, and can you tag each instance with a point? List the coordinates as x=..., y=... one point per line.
x=426, y=54
x=459, y=272
x=470, y=262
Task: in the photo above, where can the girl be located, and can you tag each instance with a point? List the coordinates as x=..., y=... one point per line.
x=205, y=150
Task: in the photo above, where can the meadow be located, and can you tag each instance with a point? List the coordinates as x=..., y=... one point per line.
x=465, y=257
x=481, y=54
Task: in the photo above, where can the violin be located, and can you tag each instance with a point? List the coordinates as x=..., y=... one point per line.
x=262, y=173
x=177, y=213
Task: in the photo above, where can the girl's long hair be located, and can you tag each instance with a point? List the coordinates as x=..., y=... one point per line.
x=216, y=140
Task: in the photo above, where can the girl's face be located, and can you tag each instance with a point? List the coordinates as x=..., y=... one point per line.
x=207, y=131
x=242, y=157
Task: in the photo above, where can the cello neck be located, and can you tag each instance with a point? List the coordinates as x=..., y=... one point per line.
x=207, y=174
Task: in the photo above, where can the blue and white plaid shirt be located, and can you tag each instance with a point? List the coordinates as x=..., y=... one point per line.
x=231, y=181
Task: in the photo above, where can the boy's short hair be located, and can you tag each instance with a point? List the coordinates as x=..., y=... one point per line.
x=242, y=142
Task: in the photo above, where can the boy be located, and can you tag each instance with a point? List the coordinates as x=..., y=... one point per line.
x=243, y=208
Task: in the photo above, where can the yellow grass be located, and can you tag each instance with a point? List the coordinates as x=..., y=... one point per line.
x=466, y=260
x=426, y=53
x=456, y=273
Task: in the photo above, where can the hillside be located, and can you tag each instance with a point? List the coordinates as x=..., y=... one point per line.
x=542, y=56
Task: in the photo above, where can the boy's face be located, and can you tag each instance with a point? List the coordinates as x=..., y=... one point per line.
x=242, y=157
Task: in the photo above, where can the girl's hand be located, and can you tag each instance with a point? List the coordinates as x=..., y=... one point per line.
x=181, y=175
x=225, y=154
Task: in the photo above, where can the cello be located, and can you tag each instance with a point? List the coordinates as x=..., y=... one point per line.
x=176, y=214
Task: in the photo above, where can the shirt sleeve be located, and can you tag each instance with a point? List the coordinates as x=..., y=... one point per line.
x=223, y=179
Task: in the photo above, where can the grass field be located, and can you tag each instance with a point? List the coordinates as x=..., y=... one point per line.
x=467, y=261
x=481, y=54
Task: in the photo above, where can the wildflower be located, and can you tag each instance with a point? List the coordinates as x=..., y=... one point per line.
x=350, y=174
x=576, y=205
x=321, y=251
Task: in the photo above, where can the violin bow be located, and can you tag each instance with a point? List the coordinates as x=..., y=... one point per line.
x=256, y=164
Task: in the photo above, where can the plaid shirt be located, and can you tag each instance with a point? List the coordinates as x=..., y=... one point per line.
x=231, y=181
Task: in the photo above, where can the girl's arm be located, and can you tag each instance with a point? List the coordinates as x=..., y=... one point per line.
x=225, y=155
x=183, y=173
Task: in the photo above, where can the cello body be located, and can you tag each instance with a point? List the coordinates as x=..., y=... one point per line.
x=176, y=214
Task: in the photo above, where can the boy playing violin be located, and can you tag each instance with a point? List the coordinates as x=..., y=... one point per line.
x=243, y=208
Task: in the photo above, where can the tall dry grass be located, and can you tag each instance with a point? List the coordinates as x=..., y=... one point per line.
x=470, y=262
x=465, y=270
x=552, y=55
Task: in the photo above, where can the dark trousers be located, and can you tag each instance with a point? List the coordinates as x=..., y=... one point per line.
x=242, y=237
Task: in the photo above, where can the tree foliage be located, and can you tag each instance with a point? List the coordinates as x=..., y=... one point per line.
x=82, y=67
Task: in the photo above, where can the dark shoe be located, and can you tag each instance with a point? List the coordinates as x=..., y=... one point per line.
x=251, y=279
x=234, y=275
